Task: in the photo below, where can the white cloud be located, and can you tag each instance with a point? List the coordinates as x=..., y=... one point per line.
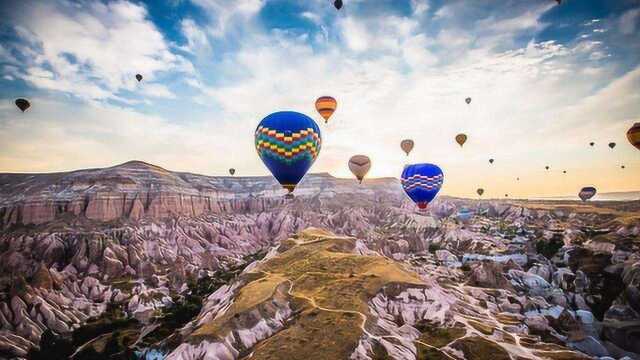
x=93, y=50
x=225, y=13
x=629, y=21
x=197, y=40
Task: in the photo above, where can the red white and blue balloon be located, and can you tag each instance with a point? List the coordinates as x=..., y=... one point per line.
x=422, y=182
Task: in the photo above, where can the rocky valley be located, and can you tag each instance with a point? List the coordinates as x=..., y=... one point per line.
x=135, y=261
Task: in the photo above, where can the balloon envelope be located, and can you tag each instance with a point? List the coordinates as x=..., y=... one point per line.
x=338, y=4
x=592, y=143
x=587, y=193
x=468, y=100
x=406, y=146
x=288, y=143
x=612, y=145
x=232, y=171
x=633, y=135
x=422, y=182
x=491, y=161
x=138, y=77
x=359, y=166
x=326, y=105
x=22, y=104
x=461, y=139
x=480, y=191
x=464, y=215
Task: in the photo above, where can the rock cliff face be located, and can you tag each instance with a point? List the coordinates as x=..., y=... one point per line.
x=86, y=251
x=135, y=190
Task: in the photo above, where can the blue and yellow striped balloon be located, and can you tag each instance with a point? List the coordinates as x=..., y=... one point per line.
x=288, y=143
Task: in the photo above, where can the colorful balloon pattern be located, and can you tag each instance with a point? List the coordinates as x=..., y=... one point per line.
x=326, y=106
x=422, y=182
x=288, y=143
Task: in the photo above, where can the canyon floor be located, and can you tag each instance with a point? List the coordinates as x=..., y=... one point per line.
x=139, y=262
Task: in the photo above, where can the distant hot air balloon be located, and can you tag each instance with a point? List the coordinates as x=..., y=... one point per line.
x=138, y=77
x=592, y=143
x=288, y=143
x=612, y=145
x=326, y=105
x=564, y=171
x=22, y=104
x=464, y=215
x=461, y=139
x=506, y=195
x=490, y=161
x=468, y=100
x=546, y=167
x=622, y=166
x=480, y=191
x=587, y=193
x=338, y=4
x=422, y=182
x=406, y=146
x=517, y=179
x=232, y=171
x=359, y=166
x=634, y=135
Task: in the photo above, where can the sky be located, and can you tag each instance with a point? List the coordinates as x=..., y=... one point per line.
x=545, y=80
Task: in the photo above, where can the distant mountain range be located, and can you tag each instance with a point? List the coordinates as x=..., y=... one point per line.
x=608, y=196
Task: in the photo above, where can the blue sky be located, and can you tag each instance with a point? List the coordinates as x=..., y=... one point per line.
x=545, y=81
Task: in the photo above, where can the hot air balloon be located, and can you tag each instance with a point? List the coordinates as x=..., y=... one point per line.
x=461, y=139
x=22, y=104
x=422, y=182
x=464, y=215
x=634, y=135
x=622, y=166
x=612, y=145
x=546, y=167
x=564, y=171
x=490, y=161
x=359, y=166
x=506, y=195
x=232, y=171
x=480, y=191
x=592, y=143
x=326, y=105
x=288, y=143
x=406, y=146
x=517, y=179
x=587, y=193
x=468, y=100
x=338, y=4
x=138, y=77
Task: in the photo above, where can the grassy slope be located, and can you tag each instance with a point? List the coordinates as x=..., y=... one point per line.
x=329, y=287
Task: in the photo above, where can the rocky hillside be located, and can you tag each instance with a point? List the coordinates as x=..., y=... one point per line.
x=520, y=280
x=135, y=189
